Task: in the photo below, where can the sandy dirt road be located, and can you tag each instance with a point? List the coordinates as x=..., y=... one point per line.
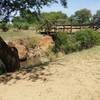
x=75, y=77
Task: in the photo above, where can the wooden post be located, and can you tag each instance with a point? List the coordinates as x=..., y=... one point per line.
x=63, y=28
x=71, y=28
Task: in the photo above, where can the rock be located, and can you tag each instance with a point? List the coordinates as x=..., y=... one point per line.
x=9, y=56
x=44, y=59
x=2, y=67
x=46, y=42
x=37, y=56
x=30, y=52
x=22, y=50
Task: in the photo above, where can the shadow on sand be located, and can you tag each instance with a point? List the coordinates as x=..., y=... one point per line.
x=32, y=73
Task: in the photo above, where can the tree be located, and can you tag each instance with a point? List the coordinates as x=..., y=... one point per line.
x=96, y=17
x=48, y=20
x=12, y=7
x=72, y=20
x=53, y=17
x=83, y=16
x=20, y=23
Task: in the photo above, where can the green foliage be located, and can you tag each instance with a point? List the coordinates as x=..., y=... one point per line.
x=4, y=27
x=83, y=39
x=20, y=23
x=25, y=26
x=54, y=16
x=26, y=20
x=65, y=43
x=96, y=17
x=72, y=20
x=7, y=7
x=82, y=16
x=87, y=38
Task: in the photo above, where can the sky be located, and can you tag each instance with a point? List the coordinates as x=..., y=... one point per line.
x=74, y=5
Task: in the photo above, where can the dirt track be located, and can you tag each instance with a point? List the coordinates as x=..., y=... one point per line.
x=75, y=77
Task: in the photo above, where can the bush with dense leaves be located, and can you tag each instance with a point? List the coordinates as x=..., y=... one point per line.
x=87, y=38
x=23, y=26
x=65, y=43
x=83, y=39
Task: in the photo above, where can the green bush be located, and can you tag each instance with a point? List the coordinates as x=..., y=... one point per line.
x=87, y=38
x=83, y=39
x=4, y=27
x=65, y=43
x=17, y=25
x=25, y=26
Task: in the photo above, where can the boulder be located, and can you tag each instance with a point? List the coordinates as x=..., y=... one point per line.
x=38, y=56
x=22, y=50
x=9, y=56
x=46, y=42
x=2, y=67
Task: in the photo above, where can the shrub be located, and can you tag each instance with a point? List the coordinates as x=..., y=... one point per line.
x=65, y=43
x=25, y=26
x=17, y=25
x=83, y=39
x=4, y=27
x=87, y=38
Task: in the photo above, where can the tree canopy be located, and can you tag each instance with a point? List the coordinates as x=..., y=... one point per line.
x=96, y=17
x=55, y=17
x=11, y=7
x=47, y=18
x=82, y=16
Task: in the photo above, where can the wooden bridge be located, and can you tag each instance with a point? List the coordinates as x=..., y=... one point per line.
x=69, y=28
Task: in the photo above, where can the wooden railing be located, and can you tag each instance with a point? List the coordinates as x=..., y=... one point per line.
x=70, y=28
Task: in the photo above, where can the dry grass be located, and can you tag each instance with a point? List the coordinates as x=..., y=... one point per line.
x=11, y=34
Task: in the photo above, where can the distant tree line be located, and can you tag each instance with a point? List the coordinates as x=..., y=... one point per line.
x=82, y=16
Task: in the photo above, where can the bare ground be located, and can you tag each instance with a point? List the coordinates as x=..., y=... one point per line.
x=74, y=77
